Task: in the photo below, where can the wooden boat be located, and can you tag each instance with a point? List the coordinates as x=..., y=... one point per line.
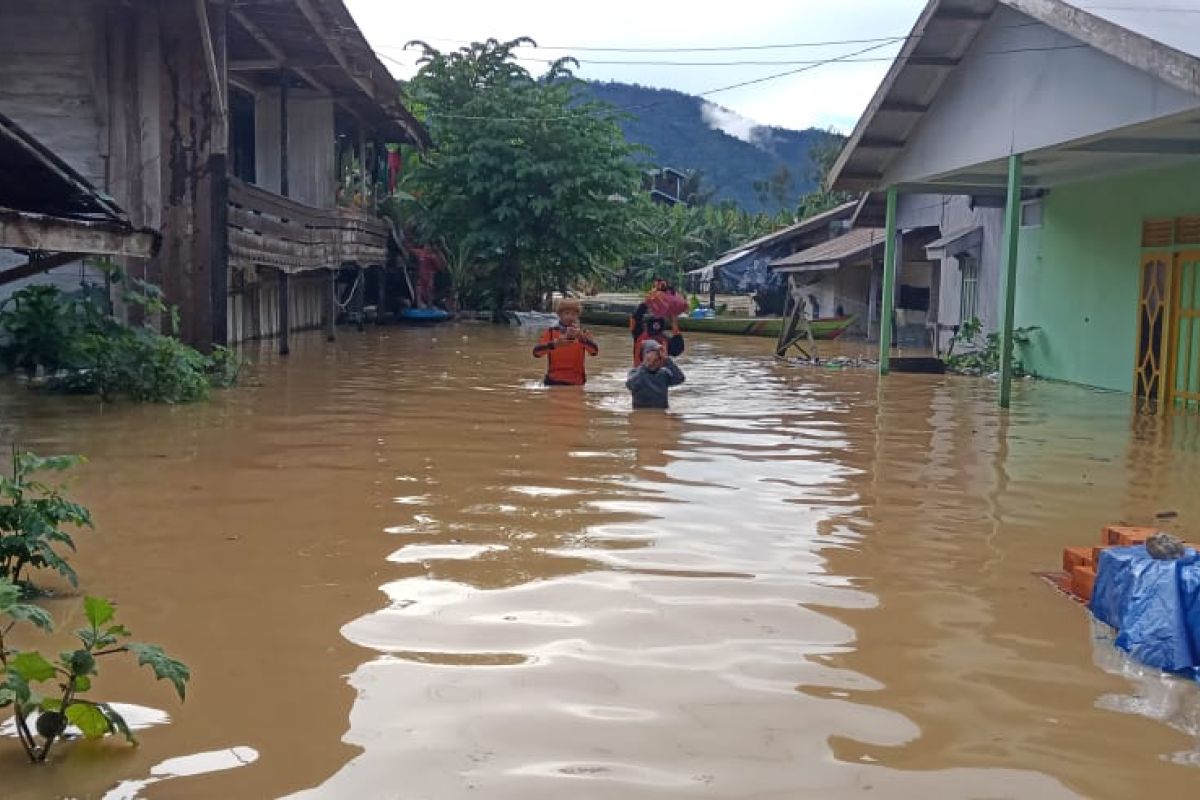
x=824, y=329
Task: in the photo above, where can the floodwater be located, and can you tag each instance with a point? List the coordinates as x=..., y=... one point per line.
x=399, y=568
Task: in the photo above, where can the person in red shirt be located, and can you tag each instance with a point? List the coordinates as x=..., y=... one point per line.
x=566, y=347
x=655, y=329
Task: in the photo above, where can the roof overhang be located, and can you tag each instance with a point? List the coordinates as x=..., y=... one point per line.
x=938, y=41
x=318, y=43
x=954, y=243
x=48, y=207
x=823, y=266
x=800, y=228
x=846, y=249
x=945, y=33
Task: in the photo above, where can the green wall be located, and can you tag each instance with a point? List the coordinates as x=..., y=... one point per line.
x=1078, y=273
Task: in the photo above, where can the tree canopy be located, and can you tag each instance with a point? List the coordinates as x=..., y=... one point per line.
x=528, y=184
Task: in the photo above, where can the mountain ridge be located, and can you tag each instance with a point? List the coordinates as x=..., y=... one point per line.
x=681, y=131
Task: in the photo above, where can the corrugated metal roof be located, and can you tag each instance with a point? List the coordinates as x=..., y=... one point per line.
x=958, y=241
x=836, y=251
x=801, y=227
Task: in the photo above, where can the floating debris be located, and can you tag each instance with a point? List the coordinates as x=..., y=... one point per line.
x=837, y=362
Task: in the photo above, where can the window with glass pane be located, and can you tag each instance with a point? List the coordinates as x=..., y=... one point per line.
x=968, y=265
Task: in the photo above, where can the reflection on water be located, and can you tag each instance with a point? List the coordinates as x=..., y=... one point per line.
x=198, y=764
x=1155, y=695
x=795, y=583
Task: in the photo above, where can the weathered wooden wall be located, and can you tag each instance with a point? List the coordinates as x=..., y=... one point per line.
x=311, y=146
x=188, y=108
x=51, y=71
x=254, y=307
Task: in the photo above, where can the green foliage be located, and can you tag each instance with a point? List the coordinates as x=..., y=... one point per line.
x=821, y=157
x=87, y=351
x=43, y=327
x=12, y=607
x=34, y=517
x=531, y=181
x=777, y=190
x=73, y=673
x=667, y=241
x=165, y=668
x=981, y=353
x=146, y=367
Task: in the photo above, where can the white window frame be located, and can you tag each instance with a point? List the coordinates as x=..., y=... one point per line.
x=968, y=299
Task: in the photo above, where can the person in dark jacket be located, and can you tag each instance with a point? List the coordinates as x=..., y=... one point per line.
x=655, y=329
x=650, y=382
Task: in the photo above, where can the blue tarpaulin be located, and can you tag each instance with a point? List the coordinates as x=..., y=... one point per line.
x=1154, y=606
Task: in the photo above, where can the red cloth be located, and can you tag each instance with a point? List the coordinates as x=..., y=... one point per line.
x=395, y=165
x=665, y=304
x=429, y=263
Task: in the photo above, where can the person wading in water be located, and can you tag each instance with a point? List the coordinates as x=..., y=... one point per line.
x=647, y=325
x=566, y=347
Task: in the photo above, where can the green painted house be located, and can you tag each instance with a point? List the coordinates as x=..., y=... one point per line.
x=1076, y=127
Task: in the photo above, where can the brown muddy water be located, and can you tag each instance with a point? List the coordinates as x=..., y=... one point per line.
x=400, y=568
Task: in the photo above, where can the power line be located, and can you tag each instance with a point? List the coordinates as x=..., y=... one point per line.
x=643, y=106
x=699, y=49
x=711, y=49
x=842, y=59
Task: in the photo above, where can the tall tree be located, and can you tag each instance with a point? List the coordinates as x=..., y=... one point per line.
x=821, y=156
x=534, y=182
x=777, y=189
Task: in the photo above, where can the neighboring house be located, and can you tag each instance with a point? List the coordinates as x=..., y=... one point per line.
x=1095, y=114
x=746, y=269
x=221, y=127
x=952, y=247
x=839, y=277
x=665, y=185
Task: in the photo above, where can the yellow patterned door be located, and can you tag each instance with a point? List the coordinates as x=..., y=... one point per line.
x=1151, y=385
x=1184, y=376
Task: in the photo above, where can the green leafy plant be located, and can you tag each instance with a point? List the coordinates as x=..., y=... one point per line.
x=35, y=517
x=981, y=354
x=71, y=676
x=87, y=351
x=41, y=327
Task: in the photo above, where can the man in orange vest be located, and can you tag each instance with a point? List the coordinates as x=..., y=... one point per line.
x=566, y=347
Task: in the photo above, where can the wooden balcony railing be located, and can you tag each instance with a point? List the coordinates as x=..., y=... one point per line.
x=266, y=229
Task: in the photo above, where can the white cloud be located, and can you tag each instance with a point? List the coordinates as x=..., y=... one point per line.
x=730, y=122
x=833, y=94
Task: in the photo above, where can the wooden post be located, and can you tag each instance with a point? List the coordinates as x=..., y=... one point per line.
x=218, y=166
x=1008, y=287
x=285, y=315
x=362, y=163
x=333, y=307
x=360, y=298
x=382, y=306
x=283, y=134
x=888, y=300
x=214, y=24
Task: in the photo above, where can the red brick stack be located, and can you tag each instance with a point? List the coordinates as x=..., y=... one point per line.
x=1080, y=563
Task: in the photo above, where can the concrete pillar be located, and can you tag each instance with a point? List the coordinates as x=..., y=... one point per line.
x=888, y=300
x=1008, y=275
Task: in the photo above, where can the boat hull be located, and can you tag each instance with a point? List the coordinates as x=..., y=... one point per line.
x=824, y=329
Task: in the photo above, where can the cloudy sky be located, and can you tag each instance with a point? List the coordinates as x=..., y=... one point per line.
x=821, y=95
